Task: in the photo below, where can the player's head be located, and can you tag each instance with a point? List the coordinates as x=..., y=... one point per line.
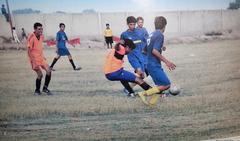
x=62, y=26
x=131, y=22
x=38, y=28
x=128, y=45
x=140, y=22
x=107, y=25
x=3, y=5
x=160, y=22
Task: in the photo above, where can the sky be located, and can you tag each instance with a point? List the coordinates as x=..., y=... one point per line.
x=77, y=6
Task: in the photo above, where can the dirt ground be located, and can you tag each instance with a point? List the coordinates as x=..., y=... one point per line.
x=85, y=106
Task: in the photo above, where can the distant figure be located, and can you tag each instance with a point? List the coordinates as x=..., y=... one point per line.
x=62, y=49
x=15, y=37
x=24, y=35
x=4, y=12
x=108, y=35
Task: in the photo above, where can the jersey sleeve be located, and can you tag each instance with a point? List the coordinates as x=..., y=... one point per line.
x=158, y=42
x=66, y=36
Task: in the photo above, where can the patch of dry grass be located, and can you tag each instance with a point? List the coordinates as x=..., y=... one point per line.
x=88, y=107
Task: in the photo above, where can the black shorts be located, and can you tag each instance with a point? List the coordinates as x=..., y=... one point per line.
x=109, y=40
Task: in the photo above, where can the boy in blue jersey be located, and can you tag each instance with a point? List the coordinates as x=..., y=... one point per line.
x=135, y=58
x=154, y=67
x=61, y=47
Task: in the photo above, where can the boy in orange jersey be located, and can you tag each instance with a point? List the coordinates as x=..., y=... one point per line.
x=37, y=59
x=113, y=67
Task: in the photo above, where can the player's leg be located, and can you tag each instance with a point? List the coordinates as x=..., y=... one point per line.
x=130, y=77
x=47, y=79
x=111, y=41
x=162, y=83
x=38, y=80
x=73, y=65
x=54, y=62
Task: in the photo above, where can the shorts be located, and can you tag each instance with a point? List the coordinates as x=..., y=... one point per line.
x=39, y=63
x=158, y=75
x=109, y=40
x=136, y=63
x=63, y=52
x=121, y=75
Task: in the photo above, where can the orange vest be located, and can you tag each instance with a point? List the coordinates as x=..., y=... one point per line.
x=113, y=64
x=35, y=47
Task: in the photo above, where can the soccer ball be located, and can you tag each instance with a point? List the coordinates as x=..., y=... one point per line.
x=174, y=90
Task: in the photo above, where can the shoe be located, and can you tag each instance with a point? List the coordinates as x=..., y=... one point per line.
x=47, y=91
x=131, y=95
x=77, y=68
x=52, y=69
x=125, y=91
x=37, y=92
x=154, y=99
x=143, y=98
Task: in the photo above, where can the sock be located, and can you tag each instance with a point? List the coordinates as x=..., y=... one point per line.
x=54, y=61
x=127, y=86
x=73, y=65
x=38, y=84
x=152, y=91
x=145, y=86
x=47, y=80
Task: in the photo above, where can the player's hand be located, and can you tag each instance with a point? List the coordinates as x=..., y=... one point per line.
x=164, y=48
x=170, y=65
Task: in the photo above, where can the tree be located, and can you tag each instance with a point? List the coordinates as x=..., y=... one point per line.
x=26, y=11
x=89, y=11
x=234, y=5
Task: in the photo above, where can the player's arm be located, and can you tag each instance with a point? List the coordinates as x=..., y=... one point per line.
x=170, y=65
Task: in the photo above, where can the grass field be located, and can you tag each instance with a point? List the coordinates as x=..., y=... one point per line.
x=85, y=106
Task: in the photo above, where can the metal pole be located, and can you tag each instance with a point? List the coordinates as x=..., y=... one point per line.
x=9, y=17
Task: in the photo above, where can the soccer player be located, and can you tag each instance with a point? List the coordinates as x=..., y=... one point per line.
x=135, y=57
x=113, y=67
x=37, y=59
x=108, y=36
x=154, y=66
x=61, y=47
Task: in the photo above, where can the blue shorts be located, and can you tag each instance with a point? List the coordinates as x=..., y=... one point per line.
x=63, y=51
x=136, y=63
x=121, y=75
x=158, y=75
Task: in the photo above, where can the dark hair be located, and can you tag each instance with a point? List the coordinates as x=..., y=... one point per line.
x=131, y=19
x=13, y=28
x=107, y=24
x=129, y=43
x=61, y=24
x=3, y=5
x=160, y=22
x=37, y=25
x=140, y=18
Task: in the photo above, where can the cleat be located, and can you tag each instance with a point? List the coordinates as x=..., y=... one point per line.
x=77, y=68
x=125, y=91
x=132, y=95
x=143, y=98
x=153, y=100
x=37, y=92
x=47, y=91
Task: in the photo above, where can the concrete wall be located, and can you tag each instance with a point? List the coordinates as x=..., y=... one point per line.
x=179, y=22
